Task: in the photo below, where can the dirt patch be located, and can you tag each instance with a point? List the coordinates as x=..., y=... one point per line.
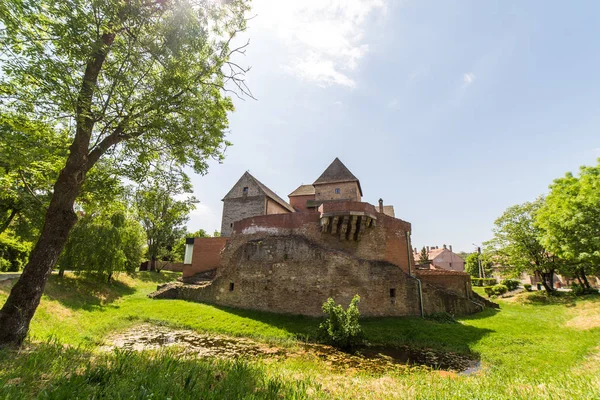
x=371, y=359
x=588, y=317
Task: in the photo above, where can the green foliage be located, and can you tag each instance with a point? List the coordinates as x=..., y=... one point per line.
x=341, y=329
x=570, y=219
x=517, y=243
x=579, y=290
x=79, y=373
x=527, y=287
x=483, y=281
x=13, y=253
x=161, y=215
x=423, y=256
x=472, y=265
x=511, y=284
x=103, y=244
x=496, y=290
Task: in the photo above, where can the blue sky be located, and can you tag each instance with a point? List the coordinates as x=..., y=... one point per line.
x=451, y=111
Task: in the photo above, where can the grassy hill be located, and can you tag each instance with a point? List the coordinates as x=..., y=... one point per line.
x=534, y=347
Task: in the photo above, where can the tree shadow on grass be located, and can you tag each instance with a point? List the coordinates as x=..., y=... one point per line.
x=388, y=331
x=86, y=293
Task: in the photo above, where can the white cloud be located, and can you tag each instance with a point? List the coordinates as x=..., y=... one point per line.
x=201, y=210
x=468, y=78
x=325, y=38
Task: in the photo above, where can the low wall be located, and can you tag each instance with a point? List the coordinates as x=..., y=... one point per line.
x=454, y=281
x=205, y=256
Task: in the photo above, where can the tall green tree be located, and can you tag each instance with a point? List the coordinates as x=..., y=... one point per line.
x=472, y=265
x=570, y=219
x=517, y=243
x=131, y=81
x=163, y=212
x=424, y=256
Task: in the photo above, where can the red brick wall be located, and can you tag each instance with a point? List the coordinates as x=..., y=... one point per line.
x=206, y=255
x=299, y=202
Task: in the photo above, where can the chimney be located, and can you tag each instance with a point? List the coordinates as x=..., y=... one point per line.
x=444, y=247
x=428, y=249
x=450, y=247
x=381, y=206
x=416, y=250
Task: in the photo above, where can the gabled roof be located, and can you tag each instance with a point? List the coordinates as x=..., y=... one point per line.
x=303, y=190
x=272, y=195
x=268, y=192
x=337, y=172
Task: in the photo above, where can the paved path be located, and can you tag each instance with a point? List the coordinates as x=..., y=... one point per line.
x=5, y=277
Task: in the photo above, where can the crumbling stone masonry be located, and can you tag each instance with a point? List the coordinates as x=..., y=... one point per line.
x=332, y=245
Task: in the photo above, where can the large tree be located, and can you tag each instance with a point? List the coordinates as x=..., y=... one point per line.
x=517, y=243
x=131, y=80
x=570, y=219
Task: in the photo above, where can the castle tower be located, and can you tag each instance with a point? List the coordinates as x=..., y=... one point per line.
x=337, y=183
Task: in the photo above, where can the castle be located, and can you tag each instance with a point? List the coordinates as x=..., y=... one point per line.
x=290, y=257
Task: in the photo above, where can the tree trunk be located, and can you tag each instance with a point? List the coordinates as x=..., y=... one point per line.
x=25, y=296
x=60, y=218
x=152, y=264
x=548, y=281
x=61, y=272
x=585, y=280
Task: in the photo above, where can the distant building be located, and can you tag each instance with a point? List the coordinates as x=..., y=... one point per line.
x=443, y=258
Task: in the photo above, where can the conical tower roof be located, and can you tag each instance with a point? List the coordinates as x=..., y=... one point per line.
x=337, y=172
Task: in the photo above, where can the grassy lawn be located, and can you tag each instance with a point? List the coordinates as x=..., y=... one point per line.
x=534, y=347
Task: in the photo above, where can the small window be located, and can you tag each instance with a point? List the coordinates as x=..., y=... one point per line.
x=245, y=190
x=337, y=191
x=231, y=225
x=392, y=293
x=231, y=285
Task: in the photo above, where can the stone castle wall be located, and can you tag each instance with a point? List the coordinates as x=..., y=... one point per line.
x=235, y=209
x=348, y=191
x=293, y=275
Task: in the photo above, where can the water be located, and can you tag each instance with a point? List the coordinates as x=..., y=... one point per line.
x=372, y=358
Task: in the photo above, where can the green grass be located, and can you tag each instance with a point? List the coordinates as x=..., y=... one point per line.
x=534, y=347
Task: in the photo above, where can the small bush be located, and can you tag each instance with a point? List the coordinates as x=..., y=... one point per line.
x=483, y=281
x=499, y=289
x=341, y=328
x=489, y=290
x=511, y=284
x=527, y=287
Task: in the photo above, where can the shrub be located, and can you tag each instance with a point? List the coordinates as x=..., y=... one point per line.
x=579, y=290
x=341, y=328
x=511, y=284
x=489, y=290
x=499, y=289
x=483, y=281
x=527, y=287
